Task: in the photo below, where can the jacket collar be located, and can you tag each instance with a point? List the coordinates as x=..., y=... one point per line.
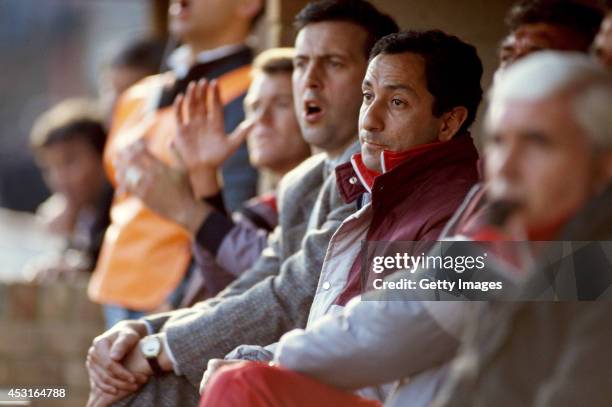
x=332, y=163
x=212, y=69
x=181, y=59
x=389, y=160
x=355, y=179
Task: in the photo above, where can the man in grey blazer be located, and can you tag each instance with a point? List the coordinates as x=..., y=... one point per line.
x=274, y=296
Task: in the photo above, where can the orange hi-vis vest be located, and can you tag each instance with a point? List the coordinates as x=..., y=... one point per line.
x=144, y=256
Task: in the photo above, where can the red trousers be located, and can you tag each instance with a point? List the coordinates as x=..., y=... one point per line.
x=257, y=384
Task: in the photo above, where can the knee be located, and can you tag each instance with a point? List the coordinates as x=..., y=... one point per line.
x=235, y=384
x=246, y=373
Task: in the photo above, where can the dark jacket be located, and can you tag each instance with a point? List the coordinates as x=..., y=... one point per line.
x=228, y=245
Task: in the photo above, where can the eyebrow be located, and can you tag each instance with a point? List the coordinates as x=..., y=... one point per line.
x=394, y=86
x=322, y=56
x=252, y=100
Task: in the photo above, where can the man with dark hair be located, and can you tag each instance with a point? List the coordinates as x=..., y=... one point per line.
x=317, y=23
x=275, y=294
x=563, y=25
x=68, y=141
x=420, y=95
x=459, y=86
x=361, y=13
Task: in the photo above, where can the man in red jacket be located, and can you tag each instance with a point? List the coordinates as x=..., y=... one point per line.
x=417, y=162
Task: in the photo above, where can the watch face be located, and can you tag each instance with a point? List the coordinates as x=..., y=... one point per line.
x=150, y=347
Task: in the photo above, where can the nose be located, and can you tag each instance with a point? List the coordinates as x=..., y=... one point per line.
x=263, y=115
x=370, y=116
x=313, y=75
x=507, y=161
x=58, y=180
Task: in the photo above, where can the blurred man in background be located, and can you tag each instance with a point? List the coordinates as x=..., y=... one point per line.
x=145, y=257
x=539, y=196
x=549, y=151
x=535, y=25
x=68, y=141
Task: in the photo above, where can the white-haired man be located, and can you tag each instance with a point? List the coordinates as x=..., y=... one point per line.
x=549, y=151
x=548, y=148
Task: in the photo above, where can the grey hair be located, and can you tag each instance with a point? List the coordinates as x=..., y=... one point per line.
x=547, y=73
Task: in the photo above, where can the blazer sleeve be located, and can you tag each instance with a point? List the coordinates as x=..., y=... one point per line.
x=267, y=265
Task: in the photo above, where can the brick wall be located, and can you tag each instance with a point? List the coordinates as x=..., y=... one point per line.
x=45, y=331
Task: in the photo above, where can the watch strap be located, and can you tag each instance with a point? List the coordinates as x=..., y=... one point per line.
x=155, y=365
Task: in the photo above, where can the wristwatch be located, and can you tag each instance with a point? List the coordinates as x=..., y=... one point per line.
x=151, y=346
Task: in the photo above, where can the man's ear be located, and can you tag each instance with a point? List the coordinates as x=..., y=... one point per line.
x=452, y=122
x=248, y=9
